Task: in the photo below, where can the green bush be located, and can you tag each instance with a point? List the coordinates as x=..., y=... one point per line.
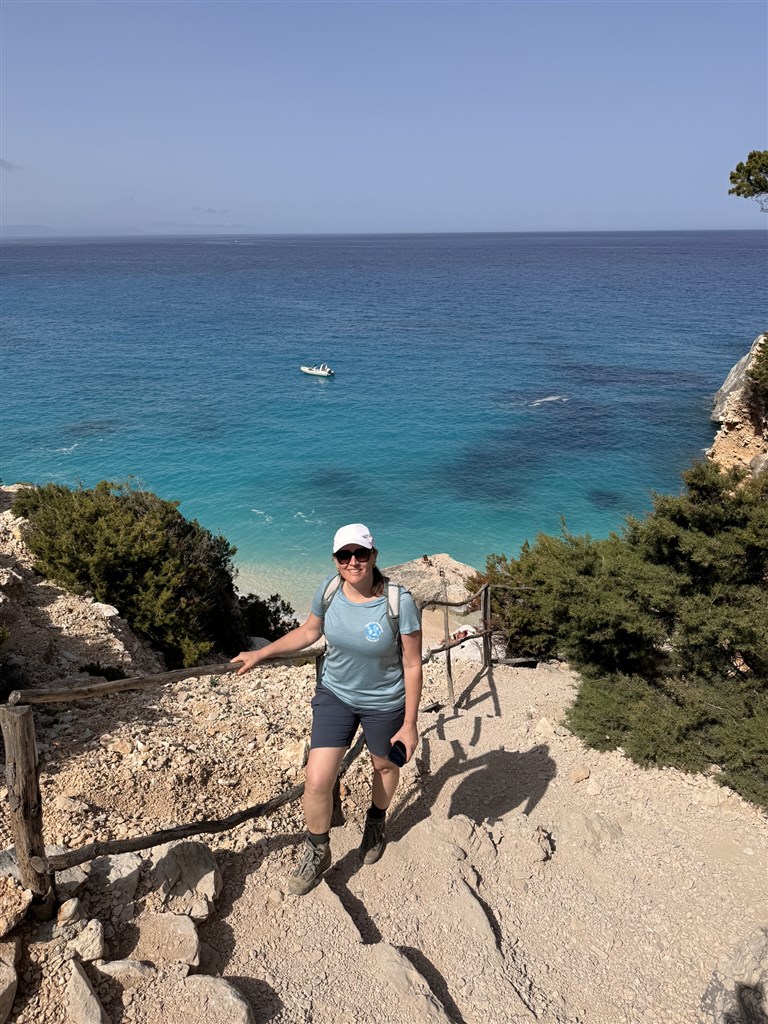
x=171, y=578
x=689, y=724
x=585, y=600
x=667, y=622
x=270, y=618
x=757, y=375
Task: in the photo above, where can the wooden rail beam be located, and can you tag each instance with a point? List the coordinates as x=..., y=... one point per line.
x=60, y=861
x=143, y=682
x=449, y=647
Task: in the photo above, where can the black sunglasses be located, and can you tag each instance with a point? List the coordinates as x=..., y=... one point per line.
x=344, y=557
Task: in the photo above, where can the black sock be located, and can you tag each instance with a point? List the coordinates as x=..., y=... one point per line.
x=317, y=839
x=376, y=814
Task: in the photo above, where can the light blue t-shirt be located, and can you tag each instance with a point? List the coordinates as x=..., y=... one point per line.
x=362, y=665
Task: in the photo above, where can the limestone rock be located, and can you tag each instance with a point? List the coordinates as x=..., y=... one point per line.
x=593, y=832
x=465, y=833
x=71, y=804
x=188, y=877
x=8, y=865
x=544, y=729
x=523, y=846
x=424, y=581
x=14, y=902
x=255, y=643
x=166, y=939
x=118, y=875
x=70, y=882
x=295, y=754
x=742, y=439
x=11, y=584
x=10, y=951
x=107, y=611
x=579, y=773
x=217, y=1000
x=116, y=745
x=8, y=982
x=83, y=1006
x=89, y=944
x=729, y=404
x=69, y=912
x=129, y=973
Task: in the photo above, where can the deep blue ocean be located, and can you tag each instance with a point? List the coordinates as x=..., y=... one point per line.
x=486, y=385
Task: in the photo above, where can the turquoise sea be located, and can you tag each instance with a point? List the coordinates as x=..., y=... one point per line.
x=486, y=385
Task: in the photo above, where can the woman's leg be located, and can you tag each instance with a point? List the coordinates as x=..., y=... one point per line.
x=321, y=774
x=385, y=779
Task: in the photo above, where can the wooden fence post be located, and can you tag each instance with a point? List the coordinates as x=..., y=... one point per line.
x=448, y=666
x=26, y=812
x=487, y=640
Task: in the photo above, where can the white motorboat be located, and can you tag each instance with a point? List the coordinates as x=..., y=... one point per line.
x=323, y=370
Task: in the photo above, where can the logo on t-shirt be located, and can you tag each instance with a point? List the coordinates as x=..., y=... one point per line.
x=373, y=631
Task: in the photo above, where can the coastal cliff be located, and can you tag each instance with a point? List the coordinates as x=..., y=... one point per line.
x=742, y=439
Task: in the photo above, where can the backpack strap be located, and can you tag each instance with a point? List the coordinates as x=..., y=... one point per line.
x=393, y=608
x=393, y=590
x=331, y=589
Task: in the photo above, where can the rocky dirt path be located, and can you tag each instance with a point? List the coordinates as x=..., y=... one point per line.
x=526, y=878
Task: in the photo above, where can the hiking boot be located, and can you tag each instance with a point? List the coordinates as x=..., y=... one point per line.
x=374, y=841
x=314, y=864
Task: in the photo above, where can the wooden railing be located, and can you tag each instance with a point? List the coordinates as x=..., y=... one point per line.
x=22, y=775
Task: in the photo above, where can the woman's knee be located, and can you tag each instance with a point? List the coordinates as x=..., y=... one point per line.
x=321, y=774
x=383, y=766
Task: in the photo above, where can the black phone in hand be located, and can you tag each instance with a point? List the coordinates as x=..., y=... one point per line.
x=397, y=754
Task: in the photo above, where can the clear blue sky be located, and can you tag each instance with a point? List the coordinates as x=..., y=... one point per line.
x=363, y=116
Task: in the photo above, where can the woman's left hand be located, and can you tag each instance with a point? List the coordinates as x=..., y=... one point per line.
x=409, y=737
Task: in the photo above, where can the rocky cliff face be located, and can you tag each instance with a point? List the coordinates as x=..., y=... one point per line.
x=742, y=439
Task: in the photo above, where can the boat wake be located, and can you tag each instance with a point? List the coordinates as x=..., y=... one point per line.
x=550, y=398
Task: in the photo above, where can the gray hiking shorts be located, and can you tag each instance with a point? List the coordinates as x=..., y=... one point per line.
x=335, y=723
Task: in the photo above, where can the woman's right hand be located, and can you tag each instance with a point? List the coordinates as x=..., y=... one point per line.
x=249, y=659
x=296, y=640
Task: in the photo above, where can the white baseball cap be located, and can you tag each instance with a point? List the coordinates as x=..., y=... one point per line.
x=353, y=533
